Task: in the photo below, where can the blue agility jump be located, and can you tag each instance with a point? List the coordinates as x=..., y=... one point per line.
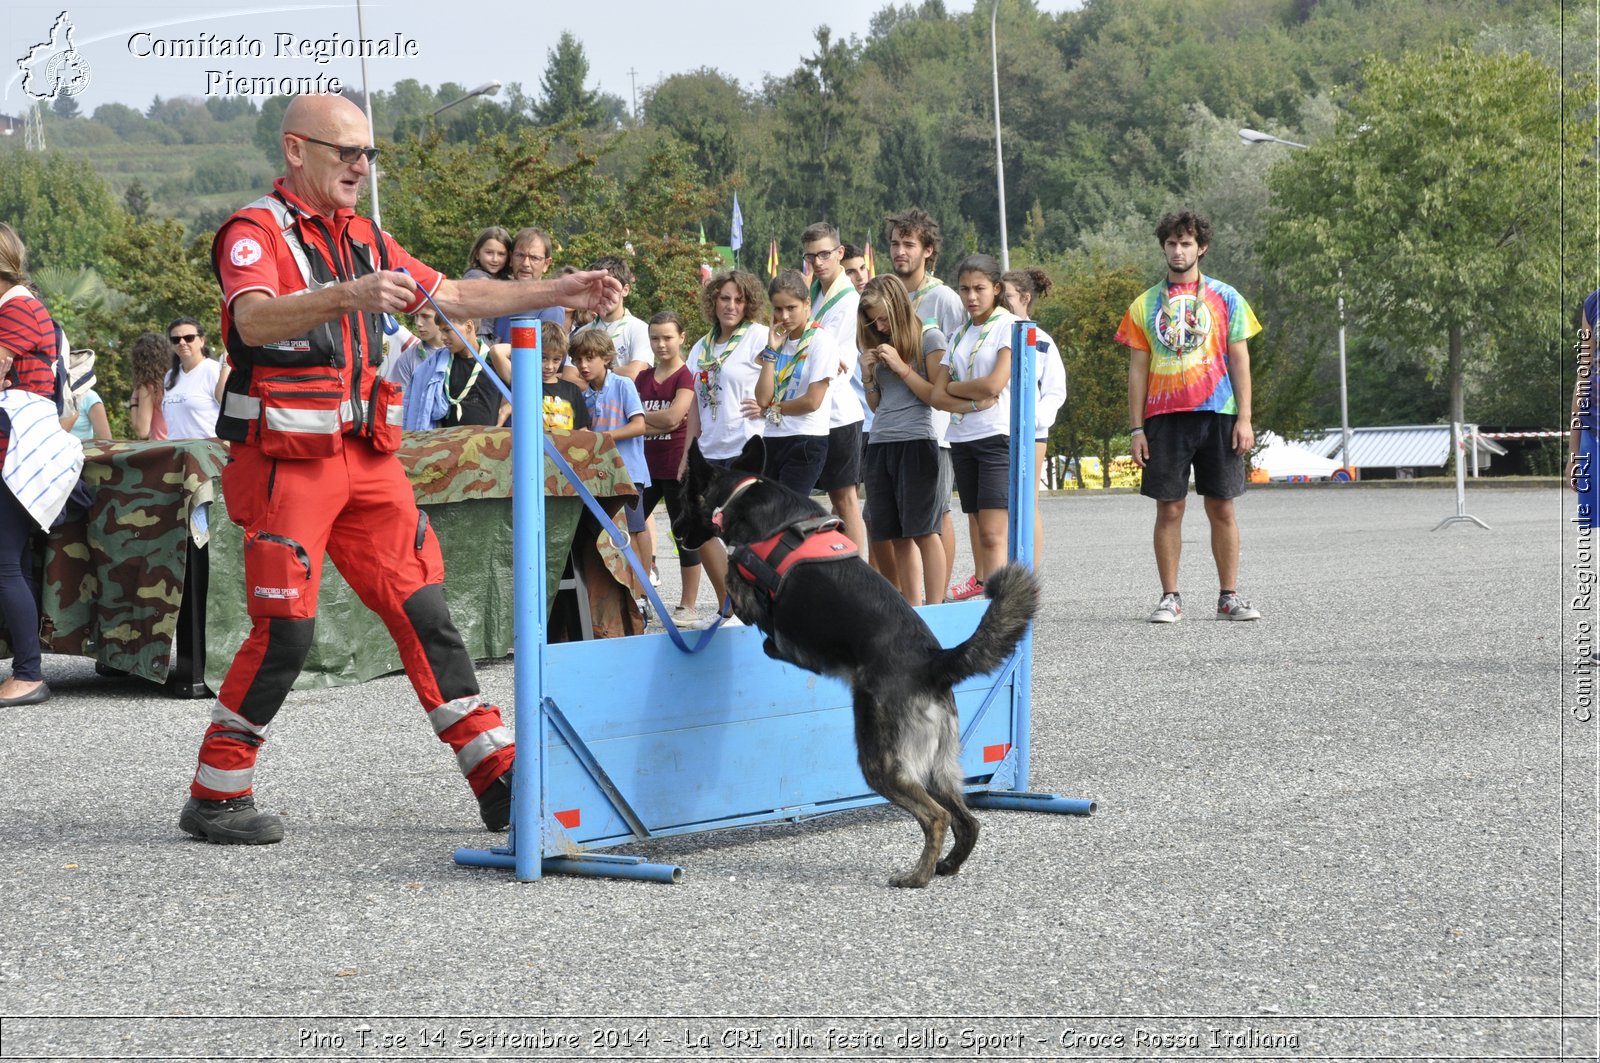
x=621, y=740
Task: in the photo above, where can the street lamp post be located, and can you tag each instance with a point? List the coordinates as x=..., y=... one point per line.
x=486, y=89
x=1255, y=136
x=999, y=156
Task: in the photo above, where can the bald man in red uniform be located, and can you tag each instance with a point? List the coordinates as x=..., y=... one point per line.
x=312, y=430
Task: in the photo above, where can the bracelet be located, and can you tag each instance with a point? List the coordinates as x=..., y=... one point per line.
x=1136, y=431
x=767, y=355
x=974, y=405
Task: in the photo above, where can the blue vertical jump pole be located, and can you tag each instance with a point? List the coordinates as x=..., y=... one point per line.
x=529, y=568
x=1020, y=546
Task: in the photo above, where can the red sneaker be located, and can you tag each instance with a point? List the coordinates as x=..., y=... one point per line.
x=962, y=591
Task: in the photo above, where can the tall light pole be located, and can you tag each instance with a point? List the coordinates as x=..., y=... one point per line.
x=999, y=156
x=372, y=130
x=1255, y=136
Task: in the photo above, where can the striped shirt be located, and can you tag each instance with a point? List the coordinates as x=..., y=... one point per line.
x=27, y=331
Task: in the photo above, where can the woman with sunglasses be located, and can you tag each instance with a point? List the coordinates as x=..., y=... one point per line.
x=189, y=400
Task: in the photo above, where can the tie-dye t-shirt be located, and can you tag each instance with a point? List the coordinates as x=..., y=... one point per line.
x=1188, y=343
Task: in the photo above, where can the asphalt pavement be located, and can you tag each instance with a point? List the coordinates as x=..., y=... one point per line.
x=1362, y=826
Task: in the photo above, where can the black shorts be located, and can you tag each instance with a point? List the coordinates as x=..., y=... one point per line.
x=843, y=465
x=903, y=489
x=1203, y=439
x=796, y=461
x=671, y=491
x=983, y=473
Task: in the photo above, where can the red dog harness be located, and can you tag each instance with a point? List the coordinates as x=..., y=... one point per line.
x=765, y=565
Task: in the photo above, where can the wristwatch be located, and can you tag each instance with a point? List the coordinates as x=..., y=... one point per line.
x=774, y=414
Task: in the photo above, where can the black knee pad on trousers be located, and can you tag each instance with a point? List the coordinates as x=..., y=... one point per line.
x=288, y=644
x=441, y=643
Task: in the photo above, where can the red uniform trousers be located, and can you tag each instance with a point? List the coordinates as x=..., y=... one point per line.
x=359, y=509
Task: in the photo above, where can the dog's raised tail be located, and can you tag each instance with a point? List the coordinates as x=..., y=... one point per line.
x=1013, y=599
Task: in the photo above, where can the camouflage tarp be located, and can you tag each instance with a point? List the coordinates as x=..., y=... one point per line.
x=462, y=477
x=113, y=583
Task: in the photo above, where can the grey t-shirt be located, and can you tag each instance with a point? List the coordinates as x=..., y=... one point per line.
x=901, y=415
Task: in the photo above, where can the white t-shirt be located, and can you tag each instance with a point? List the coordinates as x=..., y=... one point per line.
x=724, y=429
x=840, y=323
x=190, y=404
x=629, y=335
x=969, y=359
x=822, y=356
x=1052, y=375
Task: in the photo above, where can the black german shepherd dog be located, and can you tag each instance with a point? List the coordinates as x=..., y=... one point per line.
x=841, y=618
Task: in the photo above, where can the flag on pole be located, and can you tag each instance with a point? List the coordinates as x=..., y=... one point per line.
x=736, y=240
x=702, y=232
x=772, y=261
x=872, y=269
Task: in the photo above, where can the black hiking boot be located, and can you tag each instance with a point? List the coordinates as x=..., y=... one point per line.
x=235, y=821
x=494, y=804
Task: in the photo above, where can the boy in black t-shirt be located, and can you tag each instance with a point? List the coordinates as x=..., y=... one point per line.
x=564, y=408
x=470, y=393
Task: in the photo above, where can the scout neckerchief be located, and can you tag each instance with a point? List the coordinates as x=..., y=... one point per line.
x=841, y=288
x=1186, y=331
x=983, y=334
x=780, y=386
x=708, y=367
x=455, y=401
x=929, y=283
x=616, y=330
x=955, y=344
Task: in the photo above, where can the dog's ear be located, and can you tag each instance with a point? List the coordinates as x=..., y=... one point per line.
x=753, y=458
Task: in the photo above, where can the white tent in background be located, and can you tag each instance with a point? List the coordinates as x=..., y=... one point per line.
x=1282, y=460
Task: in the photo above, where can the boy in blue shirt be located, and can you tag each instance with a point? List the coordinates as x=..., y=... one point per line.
x=614, y=410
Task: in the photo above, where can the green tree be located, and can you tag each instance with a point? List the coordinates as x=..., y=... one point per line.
x=911, y=172
x=136, y=201
x=1083, y=317
x=1435, y=210
x=814, y=171
x=704, y=110
x=62, y=209
x=268, y=124
x=565, y=95
x=64, y=106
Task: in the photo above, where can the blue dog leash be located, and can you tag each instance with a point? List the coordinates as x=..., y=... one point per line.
x=619, y=538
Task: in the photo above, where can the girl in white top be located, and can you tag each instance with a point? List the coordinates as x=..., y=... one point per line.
x=1023, y=288
x=797, y=371
x=725, y=414
x=190, y=404
x=977, y=371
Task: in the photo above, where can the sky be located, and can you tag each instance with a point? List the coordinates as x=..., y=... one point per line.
x=468, y=43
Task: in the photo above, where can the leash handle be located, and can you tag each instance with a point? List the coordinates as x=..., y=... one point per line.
x=619, y=538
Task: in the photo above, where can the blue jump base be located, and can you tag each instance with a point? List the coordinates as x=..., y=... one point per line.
x=637, y=738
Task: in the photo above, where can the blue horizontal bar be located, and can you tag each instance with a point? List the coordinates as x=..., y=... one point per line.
x=596, y=865
x=1020, y=801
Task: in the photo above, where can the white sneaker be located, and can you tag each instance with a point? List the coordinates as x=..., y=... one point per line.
x=1169, y=611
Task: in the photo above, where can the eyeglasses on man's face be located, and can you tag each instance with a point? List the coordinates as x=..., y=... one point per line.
x=348, y=153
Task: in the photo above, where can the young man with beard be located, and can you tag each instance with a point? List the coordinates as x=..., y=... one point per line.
x=834, y=301
x=1189, y=406
x=913, y=253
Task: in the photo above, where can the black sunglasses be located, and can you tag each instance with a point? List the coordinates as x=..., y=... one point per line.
x=184, y=339
x=347, y=153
